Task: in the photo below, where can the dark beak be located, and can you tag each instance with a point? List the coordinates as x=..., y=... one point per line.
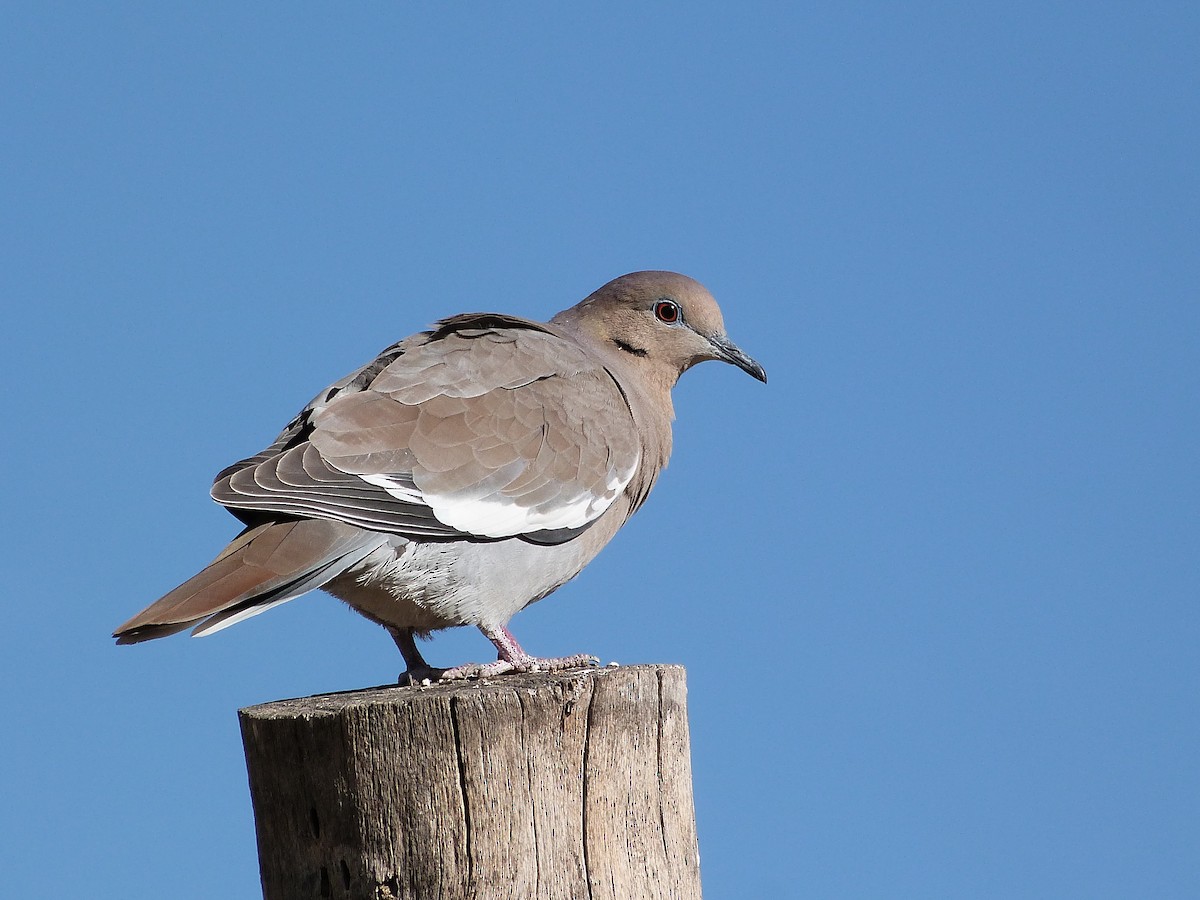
x=732, y=353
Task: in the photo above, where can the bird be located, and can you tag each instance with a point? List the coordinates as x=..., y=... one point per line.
x=468, y=471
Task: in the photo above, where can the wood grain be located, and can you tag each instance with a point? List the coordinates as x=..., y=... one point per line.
x=549, y=785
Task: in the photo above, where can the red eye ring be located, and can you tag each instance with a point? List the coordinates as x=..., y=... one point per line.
x=666, y=311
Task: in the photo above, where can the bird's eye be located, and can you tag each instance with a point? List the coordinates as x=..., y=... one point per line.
x=667, y=311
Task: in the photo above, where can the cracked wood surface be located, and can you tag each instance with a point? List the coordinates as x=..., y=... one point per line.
x=549, y=785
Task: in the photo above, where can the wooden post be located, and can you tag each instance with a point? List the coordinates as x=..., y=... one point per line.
x=566, y=785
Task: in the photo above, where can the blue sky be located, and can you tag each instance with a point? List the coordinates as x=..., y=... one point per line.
x=935, y=584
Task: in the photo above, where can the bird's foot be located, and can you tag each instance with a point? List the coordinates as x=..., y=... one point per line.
x=420, y=675
x=512, y=658
x=417, y=671
x=522, y=663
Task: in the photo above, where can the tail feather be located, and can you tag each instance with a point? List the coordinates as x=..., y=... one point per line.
x=264, y=566
x=260, y=603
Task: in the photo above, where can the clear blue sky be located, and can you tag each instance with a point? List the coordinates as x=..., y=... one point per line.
x=935, y=584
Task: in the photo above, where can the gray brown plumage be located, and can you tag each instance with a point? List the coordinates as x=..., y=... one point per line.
x=465, y=473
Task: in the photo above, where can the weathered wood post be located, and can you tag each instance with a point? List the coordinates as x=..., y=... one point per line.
x=567, y=785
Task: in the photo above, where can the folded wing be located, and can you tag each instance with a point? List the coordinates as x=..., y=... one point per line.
x=488, y=427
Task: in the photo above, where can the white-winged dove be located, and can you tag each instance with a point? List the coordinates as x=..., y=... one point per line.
x=463, y=474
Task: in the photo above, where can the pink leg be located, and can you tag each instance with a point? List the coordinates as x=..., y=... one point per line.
x=513, y=658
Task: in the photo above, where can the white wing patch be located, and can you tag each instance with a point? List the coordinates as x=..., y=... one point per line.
x=490, y=513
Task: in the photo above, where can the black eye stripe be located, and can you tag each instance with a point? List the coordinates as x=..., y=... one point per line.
x=667, y=311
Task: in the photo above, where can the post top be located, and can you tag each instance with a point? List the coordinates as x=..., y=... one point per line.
x=571, y=680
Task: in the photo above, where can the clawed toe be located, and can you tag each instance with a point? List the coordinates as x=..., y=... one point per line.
x=478, y=670
x=559, y=663
x=519, y=664
x=420, y=675
x=512, y=658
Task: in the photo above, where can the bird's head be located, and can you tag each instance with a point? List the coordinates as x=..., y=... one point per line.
x=659, y=320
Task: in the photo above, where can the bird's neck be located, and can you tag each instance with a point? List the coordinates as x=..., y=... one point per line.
x=645, y=382
x=648, y=392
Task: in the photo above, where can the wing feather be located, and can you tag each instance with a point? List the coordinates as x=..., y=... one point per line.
x=489, y=427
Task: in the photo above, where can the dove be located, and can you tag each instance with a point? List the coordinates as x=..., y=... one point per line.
x=466, y=472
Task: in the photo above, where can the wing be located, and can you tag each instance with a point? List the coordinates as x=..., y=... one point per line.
x=488, y=427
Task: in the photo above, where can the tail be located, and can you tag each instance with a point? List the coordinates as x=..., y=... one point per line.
x=264, y=566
